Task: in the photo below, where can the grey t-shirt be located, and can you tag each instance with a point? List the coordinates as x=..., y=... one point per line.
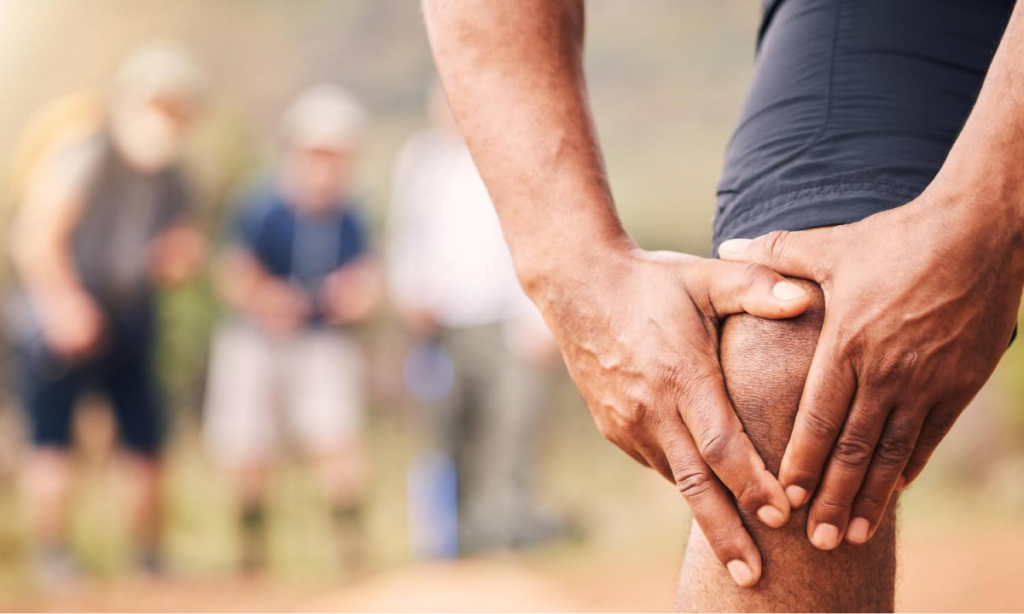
x=123, y=211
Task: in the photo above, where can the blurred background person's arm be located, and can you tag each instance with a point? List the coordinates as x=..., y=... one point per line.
x=41, y=241
x=247, y=288
x=178, y=253
x=353, y=291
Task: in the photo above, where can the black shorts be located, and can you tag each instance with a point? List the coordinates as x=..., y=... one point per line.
x=853, y=107
x=50, y=389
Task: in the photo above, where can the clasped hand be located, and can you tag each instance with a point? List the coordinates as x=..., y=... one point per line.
x=920, y=304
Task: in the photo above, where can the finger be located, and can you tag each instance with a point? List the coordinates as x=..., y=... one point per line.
x=711, y=506
x=825, y=401
x=733, y=287
x=845, y=469
x=891, y=455
x=800, y=254
x=723, y=444
x=935, y=428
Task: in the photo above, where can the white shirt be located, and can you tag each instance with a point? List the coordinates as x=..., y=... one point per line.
x=447, y=254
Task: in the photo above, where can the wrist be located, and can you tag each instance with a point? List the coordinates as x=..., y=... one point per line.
x=545, y=266
x=985, y=213
x=990, y=178
x=995, y=202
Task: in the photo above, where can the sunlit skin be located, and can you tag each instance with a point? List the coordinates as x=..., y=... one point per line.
x=921, y=300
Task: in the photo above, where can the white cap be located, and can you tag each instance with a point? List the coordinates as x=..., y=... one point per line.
x=324, y=117
x=159, y=68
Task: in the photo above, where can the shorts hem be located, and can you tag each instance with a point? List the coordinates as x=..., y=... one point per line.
x=813, y=206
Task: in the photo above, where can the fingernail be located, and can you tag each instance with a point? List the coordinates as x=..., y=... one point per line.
x=826, y=536
x=734, y=247
x=740, y=572
x=771, y=516
x=901, y=483
x=787, y=291
x=857, y=532
x=796, y=496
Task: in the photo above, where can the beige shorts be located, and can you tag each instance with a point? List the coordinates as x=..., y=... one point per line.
x=308, y=386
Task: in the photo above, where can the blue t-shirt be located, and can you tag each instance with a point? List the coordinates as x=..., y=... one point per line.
x=300, y=249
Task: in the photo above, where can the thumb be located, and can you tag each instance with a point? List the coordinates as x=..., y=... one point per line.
x=800, y=253
x=733, y=287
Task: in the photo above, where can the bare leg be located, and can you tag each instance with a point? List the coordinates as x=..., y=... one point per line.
x=341, y=473
x=46, y=485
x=250, y=487
x=342, y=476
x=765, y=363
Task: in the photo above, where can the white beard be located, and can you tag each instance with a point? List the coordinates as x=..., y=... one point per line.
x=146, y=138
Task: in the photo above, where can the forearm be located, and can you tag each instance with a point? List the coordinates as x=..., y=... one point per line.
x=239, y=280
x=45, y=268
x=986, y=158
x=513, y=72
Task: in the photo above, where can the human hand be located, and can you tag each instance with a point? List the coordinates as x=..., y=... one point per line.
x=280, y=307
x=639, y=334
x=350, y=293
x=921, y=302
x=72, y=325
x=177, y=254
x=421, y=323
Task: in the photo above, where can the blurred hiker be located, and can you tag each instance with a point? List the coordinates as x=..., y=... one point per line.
x=103, y=218
x=483, y=345
x=297, y=276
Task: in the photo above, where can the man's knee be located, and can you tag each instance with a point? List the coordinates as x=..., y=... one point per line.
x=765, y=364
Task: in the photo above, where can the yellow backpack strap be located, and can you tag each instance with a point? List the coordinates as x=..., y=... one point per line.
x=57, y=125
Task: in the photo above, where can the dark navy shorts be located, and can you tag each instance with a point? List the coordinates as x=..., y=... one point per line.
x=50, y=389
x=853, y=107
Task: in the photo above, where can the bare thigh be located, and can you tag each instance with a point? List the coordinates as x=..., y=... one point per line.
x=765, y=363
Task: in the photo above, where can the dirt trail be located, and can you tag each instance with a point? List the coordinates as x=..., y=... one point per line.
x=941, y=570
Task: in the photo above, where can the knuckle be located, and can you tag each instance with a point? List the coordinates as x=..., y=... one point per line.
x=690, y=382
x=723, y=543
x=636, y=417
x=820, y=426
x=853, y=451
x=753, y=272
x=893, y=450
x=931, y=437
x=624, y=421
x=830, y=504
x=872, y=500
x=775, y=245
x=848, y=341
x=714, y=447
x=934, y=431
x=694, y=484
x=751, y=495
x=803, y=474
x=891, y=370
